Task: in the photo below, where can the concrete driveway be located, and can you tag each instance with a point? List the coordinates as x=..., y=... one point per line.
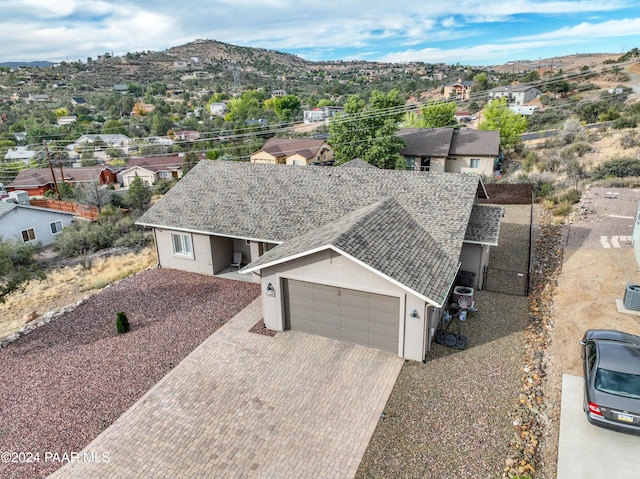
x=587, y=451
x=247, y=405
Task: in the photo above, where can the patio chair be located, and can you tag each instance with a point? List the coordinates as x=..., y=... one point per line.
x=237, y=260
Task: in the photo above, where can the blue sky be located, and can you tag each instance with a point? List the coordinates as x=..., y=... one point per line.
x=473, y=32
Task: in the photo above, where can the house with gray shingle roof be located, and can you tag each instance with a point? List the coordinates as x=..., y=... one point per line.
x=451, y=150
x=287, y=151
x=363, y=255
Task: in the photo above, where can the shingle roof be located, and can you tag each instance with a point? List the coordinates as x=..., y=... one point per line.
x=426, y=141
x=275, y=203
x=484, y=225
x=357, y=163
x=32, y=178
x=385, y=237
x=307, y=148
x=157, y=163
x=475, y=142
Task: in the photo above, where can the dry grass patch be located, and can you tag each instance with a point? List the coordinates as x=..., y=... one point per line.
x=64, y=286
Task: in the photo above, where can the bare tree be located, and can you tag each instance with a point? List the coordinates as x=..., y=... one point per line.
x=94, y=194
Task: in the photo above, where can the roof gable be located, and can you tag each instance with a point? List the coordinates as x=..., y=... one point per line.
x=475, y=142
x=385, y=238
x=426, y=141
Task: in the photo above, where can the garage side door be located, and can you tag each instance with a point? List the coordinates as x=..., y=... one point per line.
x=340, y=313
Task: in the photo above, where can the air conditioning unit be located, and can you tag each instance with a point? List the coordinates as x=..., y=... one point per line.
x=632, y=297
x=462, y=291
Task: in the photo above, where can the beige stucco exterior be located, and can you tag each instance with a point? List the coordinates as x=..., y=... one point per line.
x=330, y=268
x=461, y=164
x=475, y=258
x=147, y=176
x=264, y=157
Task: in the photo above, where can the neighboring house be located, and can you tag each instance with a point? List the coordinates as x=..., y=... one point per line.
x=113, y=140
x=36, y=182
x=322, y=114
x=152, y=169
x=450, y=150
x=121, y=88
x=67, y=120
x=31, y=224
x=362, y=255
x=278, y=93
x=458, y=90
x=37, y=98
x=19, y=153
x=218, y=108
x=294, y=152
x=78, y=101
x=515, y=94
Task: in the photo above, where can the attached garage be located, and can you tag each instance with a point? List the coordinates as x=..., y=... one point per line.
x=345, y=314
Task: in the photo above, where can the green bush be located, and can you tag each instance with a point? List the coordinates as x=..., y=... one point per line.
x=572, y=196
x=617, y=168
x=111, y=229
x=162, y=186
x=122, y=322
x=625, y=122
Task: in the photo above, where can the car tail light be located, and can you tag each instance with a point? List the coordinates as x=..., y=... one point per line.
x=593, y=408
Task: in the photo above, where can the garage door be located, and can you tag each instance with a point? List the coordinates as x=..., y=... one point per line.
x=340, y=313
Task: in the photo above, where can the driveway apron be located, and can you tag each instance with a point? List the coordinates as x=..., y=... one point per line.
x=247, y=405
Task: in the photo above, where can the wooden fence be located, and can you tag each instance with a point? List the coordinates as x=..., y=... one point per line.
x=88, y=212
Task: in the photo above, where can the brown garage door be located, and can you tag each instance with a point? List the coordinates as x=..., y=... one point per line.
x=340, y=313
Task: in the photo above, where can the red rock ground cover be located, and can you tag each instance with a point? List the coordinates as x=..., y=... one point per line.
x=65, y=382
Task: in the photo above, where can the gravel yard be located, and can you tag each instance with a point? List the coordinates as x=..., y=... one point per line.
x=451, y=417
x=65, y=382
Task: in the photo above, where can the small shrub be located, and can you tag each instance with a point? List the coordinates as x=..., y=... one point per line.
x=122, y=322
x=572, y=196
x=545, y=189
x=562, y=209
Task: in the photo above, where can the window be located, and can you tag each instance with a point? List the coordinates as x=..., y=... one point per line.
x=28, y=235
x=56, y=227
x=181, y=244
x=475, y=163
x=164, y=174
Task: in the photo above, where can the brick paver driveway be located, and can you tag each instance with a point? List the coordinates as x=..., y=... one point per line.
x=247, y=405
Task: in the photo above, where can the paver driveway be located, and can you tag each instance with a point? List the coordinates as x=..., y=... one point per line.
x=247, y=405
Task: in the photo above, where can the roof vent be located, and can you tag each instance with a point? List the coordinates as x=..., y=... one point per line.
x=632, y=297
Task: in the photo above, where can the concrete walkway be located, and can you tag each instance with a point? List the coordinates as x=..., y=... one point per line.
x=244, y=405
x=587, y=451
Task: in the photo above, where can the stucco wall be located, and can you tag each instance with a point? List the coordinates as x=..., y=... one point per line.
x=472, y=258
x=335, y=270
x=147, y=176
x=200, y=262
x=462, y=164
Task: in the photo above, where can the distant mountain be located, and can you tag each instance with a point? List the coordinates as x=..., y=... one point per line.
x=26, y=64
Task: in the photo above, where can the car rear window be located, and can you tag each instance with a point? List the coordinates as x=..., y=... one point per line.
x=620, y=384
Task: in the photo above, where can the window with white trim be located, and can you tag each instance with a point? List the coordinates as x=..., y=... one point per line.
x=56, y=227
x=164, y=174
x=28, y=235
x=474, y=163
x=181, y=244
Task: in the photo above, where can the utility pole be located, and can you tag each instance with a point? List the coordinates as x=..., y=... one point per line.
x=53, y=176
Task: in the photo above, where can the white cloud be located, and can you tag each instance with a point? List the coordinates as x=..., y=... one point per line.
x=46, y=29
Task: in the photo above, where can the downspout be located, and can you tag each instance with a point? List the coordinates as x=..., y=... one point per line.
x=155, y=241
